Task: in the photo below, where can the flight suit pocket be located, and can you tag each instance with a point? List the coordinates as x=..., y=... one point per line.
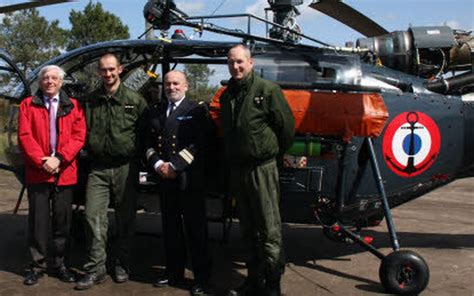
x=129, y=116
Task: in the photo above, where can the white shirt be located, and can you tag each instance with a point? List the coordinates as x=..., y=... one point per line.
x=170, y=105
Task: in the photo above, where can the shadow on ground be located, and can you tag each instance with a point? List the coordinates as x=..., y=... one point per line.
x=305, y=245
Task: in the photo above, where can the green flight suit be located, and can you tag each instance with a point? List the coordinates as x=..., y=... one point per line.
x=113, y=129
x=258, y=127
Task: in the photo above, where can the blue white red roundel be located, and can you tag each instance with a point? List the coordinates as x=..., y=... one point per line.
x=411, y=143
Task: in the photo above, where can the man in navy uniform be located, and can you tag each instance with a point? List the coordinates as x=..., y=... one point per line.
x=178, y=130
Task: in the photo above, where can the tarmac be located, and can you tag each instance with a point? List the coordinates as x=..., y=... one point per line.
x=439, y=226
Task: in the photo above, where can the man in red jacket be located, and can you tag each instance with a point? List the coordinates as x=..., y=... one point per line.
x=51, y=132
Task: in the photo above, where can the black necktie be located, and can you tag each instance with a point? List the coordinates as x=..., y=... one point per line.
x=171, y=108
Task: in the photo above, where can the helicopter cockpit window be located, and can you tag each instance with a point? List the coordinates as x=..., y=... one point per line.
x=11, y=86
x=203, y=79
x=81, y=67
x=78, y=80
x=146, y=80
x=12, y=90
x=83, y=81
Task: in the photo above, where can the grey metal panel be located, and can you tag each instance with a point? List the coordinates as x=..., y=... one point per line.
x=432, y=37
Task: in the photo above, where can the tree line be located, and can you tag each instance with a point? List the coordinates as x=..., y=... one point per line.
x=31, y=39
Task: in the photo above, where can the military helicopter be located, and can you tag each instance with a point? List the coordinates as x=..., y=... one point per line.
x=377, y=125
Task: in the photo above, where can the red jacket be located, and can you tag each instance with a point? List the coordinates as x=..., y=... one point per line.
x=33, y=137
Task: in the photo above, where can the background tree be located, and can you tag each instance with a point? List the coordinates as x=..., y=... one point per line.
x=94, y=25
x=198, y=80
x=30, y=39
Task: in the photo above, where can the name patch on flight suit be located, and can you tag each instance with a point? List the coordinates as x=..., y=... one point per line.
x=129, y=108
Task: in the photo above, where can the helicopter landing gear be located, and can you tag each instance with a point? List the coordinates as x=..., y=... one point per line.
x=333, y=233
x=404, y=273
x=401, y=272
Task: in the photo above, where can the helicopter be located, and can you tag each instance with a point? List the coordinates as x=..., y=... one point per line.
x=377, y=124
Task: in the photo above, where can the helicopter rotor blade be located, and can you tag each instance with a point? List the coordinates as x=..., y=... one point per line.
x=30, y=4
x=349, y=16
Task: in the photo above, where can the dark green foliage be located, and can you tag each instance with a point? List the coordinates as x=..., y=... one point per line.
x=94, y=25
x=30, y=39
x=198, y=79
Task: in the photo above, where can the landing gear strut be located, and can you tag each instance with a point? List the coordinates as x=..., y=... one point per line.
x=401, y=272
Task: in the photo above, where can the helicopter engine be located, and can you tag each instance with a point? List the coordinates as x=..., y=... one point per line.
x=162, y=13
x=423, y=51
x=285, y=14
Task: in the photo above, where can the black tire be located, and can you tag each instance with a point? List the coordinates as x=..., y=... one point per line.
x=404, y=273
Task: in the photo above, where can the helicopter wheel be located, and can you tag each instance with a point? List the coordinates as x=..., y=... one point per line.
x=404, y=273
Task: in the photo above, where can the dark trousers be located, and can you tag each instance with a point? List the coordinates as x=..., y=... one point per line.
x=48, y=205
x=258, y=193
x=183, y=216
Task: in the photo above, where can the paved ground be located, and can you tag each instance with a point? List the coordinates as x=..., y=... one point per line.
x=439, y=226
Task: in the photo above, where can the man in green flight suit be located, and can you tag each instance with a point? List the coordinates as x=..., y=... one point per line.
x=114, y=115
x=258, y=128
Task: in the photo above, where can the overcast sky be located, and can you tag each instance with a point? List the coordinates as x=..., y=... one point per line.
x=390, y=14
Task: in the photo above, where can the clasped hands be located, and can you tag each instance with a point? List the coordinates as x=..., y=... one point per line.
x=166, y=171
x=51, y=164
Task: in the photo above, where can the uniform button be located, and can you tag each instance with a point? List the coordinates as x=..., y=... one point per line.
x=159, y=145
x=160, y=153
x=174, y=152
x=174, y=137
x=159, y=137
x=173, y=144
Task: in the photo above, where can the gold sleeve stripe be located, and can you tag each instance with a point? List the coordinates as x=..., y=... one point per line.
x=149, y=153
x=186, y=155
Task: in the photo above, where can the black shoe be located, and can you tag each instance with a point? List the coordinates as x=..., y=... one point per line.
x=89, y=280
x=166, y=281
x=201, y=290
x=121, y=275
x=32, y=277
x=65, y=275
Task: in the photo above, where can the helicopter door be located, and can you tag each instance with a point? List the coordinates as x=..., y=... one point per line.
x=13, y=87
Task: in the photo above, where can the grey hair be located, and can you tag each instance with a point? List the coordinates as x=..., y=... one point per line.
x=45, y=69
